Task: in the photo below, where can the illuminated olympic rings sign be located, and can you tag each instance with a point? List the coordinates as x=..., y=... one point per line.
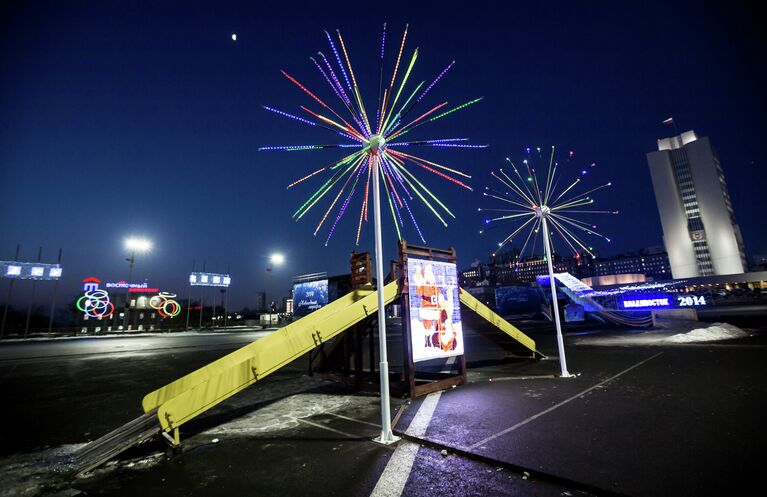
x=96, y=304
x=165, y=305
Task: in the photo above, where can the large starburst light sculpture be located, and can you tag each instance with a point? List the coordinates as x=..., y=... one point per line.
x=537, y=208
x=377, y=142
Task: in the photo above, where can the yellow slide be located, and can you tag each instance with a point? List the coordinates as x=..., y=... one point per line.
x=485, y=312
x=193, y=394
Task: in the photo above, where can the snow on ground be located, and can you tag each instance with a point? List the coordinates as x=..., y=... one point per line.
x=43, y=472
x=232, y=330
x=717, y=331
x=33, y=473
x=286, y=413
x=669, y=334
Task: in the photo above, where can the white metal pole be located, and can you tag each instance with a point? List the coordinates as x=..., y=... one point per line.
x=386, y=437
x=554, y=304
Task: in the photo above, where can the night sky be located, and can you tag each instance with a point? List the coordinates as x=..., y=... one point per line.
x=131, y=118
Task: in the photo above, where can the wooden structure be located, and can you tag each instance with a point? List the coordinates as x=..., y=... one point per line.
x=421, y=383
x=351, y=357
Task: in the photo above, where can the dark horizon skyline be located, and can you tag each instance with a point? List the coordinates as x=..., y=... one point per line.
x=131, y=119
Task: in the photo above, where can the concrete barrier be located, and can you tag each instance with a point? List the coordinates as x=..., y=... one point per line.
x=666, y=315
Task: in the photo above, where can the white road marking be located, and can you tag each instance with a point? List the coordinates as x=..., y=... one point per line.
x=377, y=425
x=317, y=425
x=557, y=406
x=395, y=475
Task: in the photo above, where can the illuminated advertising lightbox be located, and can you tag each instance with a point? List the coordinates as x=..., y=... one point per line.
x=209, y=279
x=309, y=296
x=435, y=310
x=30, y=270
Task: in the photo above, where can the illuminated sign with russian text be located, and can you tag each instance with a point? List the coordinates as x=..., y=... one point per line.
x=649, y=301
x=144, y=290
x=645, y=303
x=124, y=284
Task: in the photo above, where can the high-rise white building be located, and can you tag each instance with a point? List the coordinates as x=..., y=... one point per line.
x=699, y=229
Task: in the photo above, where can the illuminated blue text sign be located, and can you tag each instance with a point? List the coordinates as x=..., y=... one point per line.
x=646, y=303
x=661, y=301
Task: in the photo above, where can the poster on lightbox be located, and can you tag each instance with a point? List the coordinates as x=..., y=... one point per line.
x=435, y=310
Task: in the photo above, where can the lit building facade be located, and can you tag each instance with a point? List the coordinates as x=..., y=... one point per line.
x=652, y=263
x=699, y=229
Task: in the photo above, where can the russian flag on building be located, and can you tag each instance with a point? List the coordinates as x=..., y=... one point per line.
x=669, y=121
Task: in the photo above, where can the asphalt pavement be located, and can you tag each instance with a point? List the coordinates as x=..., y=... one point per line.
x=648, y=419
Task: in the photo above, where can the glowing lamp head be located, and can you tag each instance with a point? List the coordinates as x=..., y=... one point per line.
x=377, y=144
x=277, y=259
x=138, y=244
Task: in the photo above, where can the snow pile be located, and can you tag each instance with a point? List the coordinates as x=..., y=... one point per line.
x=717, y=331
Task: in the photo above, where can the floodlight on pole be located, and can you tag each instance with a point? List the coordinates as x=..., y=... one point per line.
x=277, y=259
x=133, y=245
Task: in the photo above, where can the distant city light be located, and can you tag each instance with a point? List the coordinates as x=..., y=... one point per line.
x=234, y=36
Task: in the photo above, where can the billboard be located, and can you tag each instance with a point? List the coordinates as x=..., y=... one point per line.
x=511, y=300
x=435, y=310
x=308, y=296
x=30, y=270
x=209, y=279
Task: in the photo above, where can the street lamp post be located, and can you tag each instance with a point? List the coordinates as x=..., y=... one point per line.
x=133, y=245
x=387, y=436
